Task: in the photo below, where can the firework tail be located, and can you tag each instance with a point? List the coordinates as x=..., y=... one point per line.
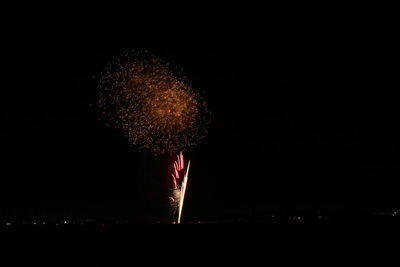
x=183, y=190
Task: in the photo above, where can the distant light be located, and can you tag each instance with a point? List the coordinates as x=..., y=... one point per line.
x=65, y=222
x=44, y=223
x=34, y=223
x=8, y=224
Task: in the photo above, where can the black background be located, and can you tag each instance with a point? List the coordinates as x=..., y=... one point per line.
x=303, y=99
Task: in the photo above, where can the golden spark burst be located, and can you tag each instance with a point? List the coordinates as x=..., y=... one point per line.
x=157, y=109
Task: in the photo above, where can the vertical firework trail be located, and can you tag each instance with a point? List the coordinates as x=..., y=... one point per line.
x=179, y=184
x=183, y=191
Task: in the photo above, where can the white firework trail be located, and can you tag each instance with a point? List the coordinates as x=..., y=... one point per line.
x=183, y=191
x=179, y=185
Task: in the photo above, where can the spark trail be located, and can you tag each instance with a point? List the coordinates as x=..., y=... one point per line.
x=183, y=191
x=179, y=183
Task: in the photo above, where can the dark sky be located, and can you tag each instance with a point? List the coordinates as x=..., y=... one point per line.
x=301, y=113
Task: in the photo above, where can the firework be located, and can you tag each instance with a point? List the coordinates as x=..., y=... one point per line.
x=156, y=108
x=179, y=184
x=183, y=191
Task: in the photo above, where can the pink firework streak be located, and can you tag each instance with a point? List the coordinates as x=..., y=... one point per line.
x=179, y=183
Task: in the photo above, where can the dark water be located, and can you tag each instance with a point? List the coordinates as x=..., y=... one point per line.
x=197, y=244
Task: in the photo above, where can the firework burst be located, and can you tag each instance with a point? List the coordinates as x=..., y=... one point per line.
x=156, y=108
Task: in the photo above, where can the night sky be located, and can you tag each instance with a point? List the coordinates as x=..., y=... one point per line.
x=301, y=114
